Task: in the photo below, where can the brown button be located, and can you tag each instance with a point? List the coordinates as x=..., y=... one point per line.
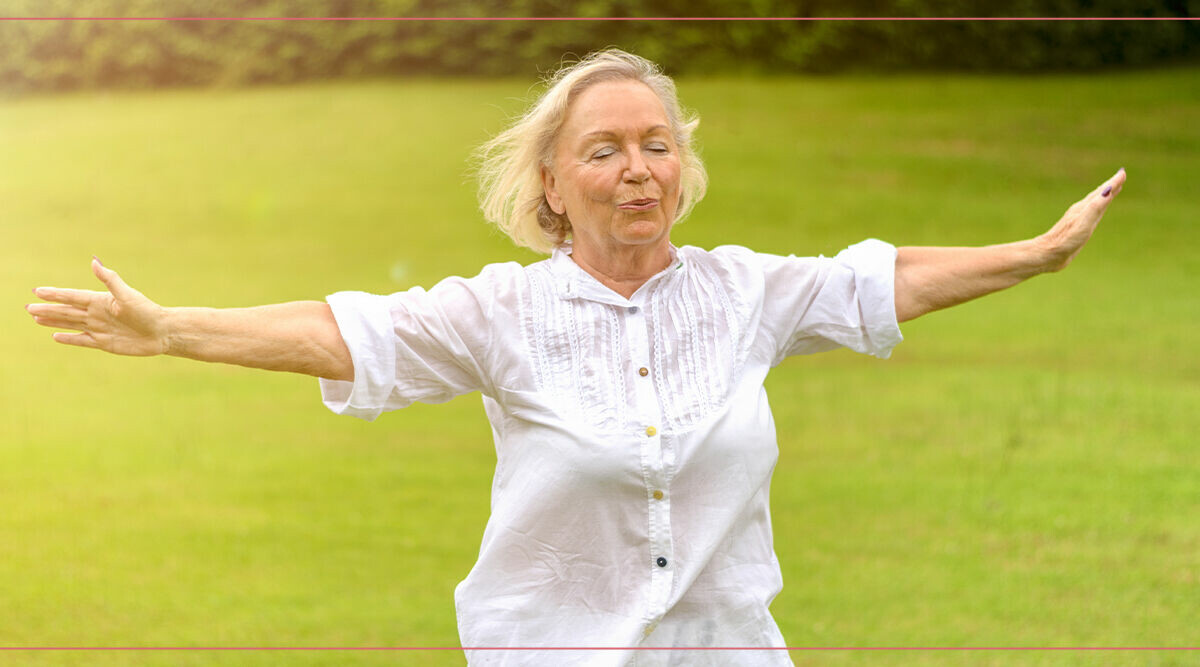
x=643, y=371
x=658, y=495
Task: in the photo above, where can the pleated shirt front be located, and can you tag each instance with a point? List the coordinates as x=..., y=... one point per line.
x=633, y=437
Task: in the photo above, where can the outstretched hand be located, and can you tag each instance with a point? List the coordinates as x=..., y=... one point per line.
x=1066, y=238
x=121, y=320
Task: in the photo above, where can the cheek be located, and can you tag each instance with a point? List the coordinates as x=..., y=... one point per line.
x=669, y=180
x=668, y=172
x=597, y=185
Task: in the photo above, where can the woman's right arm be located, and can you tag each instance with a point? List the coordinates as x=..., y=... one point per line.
x=299, y=337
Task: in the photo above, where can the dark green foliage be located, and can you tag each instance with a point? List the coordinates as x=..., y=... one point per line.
x=134, y=54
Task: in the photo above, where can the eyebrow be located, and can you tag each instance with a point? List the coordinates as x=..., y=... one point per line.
x=610, y=133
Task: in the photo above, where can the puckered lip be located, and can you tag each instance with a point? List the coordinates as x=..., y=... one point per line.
x=638, y=202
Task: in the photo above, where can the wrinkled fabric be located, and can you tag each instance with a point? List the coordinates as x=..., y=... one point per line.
x=634, y=440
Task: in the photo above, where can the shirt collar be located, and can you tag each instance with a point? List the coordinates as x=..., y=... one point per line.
x=572, y=282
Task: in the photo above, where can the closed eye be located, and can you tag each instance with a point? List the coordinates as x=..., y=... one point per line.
x=603, y=153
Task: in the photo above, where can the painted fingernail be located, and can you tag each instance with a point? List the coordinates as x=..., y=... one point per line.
x=98, y=260
x=1107, y=191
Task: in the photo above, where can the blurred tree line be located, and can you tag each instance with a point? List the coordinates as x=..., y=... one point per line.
x=60, y=55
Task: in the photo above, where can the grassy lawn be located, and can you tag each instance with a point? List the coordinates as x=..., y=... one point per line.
x=1024, y=471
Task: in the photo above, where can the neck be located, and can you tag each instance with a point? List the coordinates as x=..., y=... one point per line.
x=622, y=269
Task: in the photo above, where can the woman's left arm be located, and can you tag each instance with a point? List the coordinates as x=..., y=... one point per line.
x=932, y=278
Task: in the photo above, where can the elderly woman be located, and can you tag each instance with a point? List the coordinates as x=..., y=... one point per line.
x=623, y=376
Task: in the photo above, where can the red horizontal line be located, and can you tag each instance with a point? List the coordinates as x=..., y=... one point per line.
x=600, y=648
x=597, y=18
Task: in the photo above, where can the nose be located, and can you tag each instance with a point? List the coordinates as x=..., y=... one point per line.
x=636, y=170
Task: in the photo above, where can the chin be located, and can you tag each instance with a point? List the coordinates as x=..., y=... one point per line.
x=644, y=231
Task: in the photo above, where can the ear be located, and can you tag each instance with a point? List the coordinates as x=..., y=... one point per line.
x=552, y=197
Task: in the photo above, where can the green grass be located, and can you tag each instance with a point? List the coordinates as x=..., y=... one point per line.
x=1024, y=471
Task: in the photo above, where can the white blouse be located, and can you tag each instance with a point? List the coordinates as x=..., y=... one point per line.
x=634, y=441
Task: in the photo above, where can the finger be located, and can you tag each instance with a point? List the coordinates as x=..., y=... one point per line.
x=1119, y=182
x=1102, y=196
x=1110, y=186
x=61, y=311
x=55, y=323
x=111, y=280
x=77, y=339
x=75, y=297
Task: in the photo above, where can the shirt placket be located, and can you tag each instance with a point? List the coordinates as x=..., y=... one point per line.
x=648, y=426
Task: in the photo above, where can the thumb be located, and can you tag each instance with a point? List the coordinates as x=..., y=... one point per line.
x=111, y=280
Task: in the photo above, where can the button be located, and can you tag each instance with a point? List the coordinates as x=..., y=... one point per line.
x=650, y=431
x=658, y=495
x=633, y=310
x=649, y=628
x=661, y=562
x=643, y=371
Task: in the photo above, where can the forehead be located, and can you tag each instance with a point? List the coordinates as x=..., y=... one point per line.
x=614, y=106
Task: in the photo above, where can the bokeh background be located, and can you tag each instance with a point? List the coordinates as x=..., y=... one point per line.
x=71, y=55
x=1024, y=471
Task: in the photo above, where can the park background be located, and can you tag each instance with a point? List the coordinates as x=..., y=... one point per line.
x=1024, y=470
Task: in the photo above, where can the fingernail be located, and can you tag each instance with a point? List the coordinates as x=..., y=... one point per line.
x=98, y=260
x=1107, y=191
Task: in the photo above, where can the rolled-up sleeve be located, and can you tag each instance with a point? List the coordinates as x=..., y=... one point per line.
x=366, y=326
x=408, y=347
x=818, y=304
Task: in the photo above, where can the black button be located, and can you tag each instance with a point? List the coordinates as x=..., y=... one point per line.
x=662, y=562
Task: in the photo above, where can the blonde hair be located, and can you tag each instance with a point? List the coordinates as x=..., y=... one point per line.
x=511, y=194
